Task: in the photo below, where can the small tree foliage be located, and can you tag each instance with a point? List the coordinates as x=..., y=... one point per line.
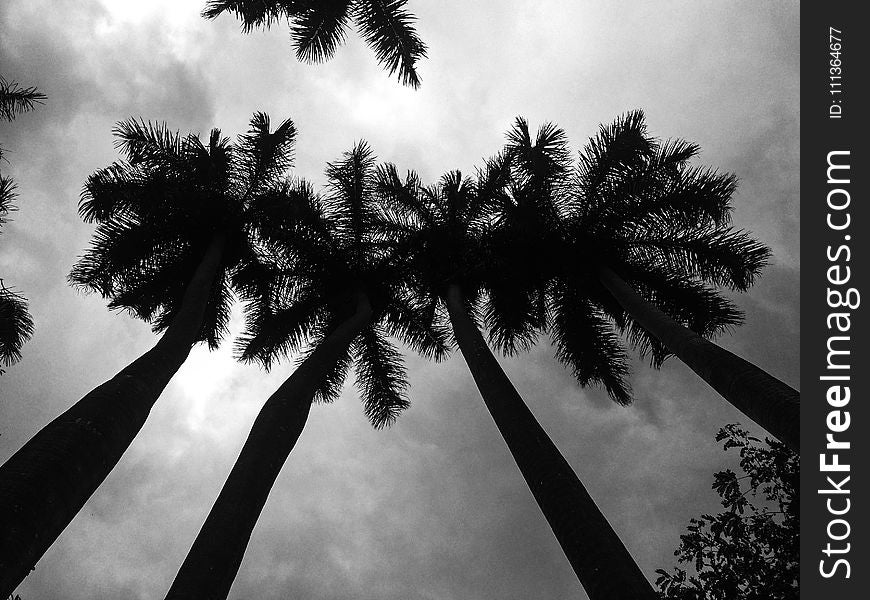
x=749, y=551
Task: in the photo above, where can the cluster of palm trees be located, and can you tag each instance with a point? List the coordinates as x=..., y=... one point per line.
x=631, y=244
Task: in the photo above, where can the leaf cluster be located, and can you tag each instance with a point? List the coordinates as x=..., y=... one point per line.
x=750, y=550
x=318, y=27
x=16, y=325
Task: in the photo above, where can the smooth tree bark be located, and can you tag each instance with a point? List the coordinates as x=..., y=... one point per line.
x=602, y=563
x=213, y=561
x=763, y=398
x=45, y=484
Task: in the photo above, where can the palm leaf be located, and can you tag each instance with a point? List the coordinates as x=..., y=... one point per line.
x=381, y=377
x=586, y=344
x=15, y=100
x=318, y=29
x=389, y=30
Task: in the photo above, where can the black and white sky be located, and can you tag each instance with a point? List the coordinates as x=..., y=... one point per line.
x=432, y=508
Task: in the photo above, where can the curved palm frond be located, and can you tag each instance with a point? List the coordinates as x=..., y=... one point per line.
x=724, y=257
x=381, y=377
x=389, y=30
x=7, y=196
x=586, y=343
x=15, y=100
x=252, y=13
x=16, y=326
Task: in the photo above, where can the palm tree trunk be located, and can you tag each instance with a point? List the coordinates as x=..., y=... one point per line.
x=211, y=564
x=757, y=394
x=45, y=484
x=602, y=564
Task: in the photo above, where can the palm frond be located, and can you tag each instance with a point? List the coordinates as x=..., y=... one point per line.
x=15, y=100
x=151, y=144
x=319, y=28
x=690, y=303
x=252, y=13
x=616, y=150
x=586, y=343
x=725, y=257
x=16, y=325
x=273, y=332
x=389, y=30
x=514, y=316
x=381, y=377
x=265, y=155
x=352, y=183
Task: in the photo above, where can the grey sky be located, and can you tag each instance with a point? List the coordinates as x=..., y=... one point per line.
x=432, y=508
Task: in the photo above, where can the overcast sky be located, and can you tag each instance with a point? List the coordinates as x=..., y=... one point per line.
x=434, y=507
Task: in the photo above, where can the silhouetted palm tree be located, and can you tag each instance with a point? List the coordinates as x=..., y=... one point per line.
x=174, y=219
x=640, y=239
x=317, y=280
x=446, y=232
x=318, y=27
x=16, y=324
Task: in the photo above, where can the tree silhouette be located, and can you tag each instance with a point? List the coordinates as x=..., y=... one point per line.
x=318, y=280
x=445, y=232
x=317, y=28
x=750, y=550
x=531, y=246
x=633, y=241
x=647, y=236
x=16, y=324
x=173, y=220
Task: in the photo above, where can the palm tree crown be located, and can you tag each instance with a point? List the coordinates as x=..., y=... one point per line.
x=316, y=256
x=635, y=204
x=174, y=219
x=319, y=27
x=157, y=212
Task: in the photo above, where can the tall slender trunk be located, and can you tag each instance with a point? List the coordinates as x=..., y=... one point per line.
x=45, y=484
x=602, y=564
x=211, y=564
x=757, y=394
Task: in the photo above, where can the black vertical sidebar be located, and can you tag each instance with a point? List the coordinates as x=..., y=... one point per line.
x=835, y=363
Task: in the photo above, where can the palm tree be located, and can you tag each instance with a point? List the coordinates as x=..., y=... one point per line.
x=446, y=232
x=317, y=280
x=318, y=27
x=16, y=324
x=174, y=219
x=644, y=237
